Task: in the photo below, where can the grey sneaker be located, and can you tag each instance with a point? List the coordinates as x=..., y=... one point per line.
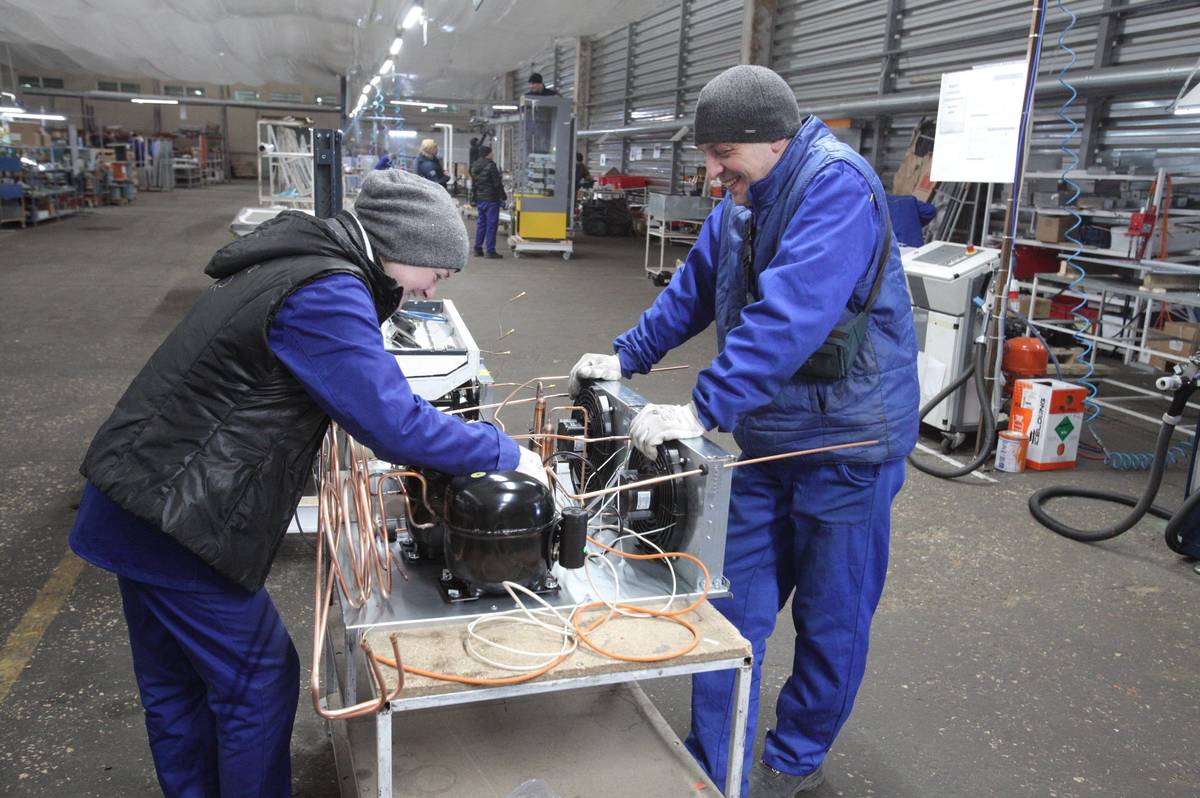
x=767, y=782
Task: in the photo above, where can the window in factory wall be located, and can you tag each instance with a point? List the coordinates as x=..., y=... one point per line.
x=244, y=94
x=35, y=82
x=184, y=91
x=286, y=97
x=121, y=86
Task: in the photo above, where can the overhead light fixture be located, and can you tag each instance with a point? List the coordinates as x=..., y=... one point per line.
x=37, y=117
x=153, y=101
x=367, y=89
x=395, y=48
x=386, y=69
x=399, y=134
x=424, y=110
x=11, y=109
x=419, y=104
x=504, y=107
x=375, y=80
x=413, y=17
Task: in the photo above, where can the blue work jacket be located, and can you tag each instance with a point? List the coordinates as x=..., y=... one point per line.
x=817, y=234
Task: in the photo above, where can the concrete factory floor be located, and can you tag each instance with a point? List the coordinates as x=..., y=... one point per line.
x=1005, y=660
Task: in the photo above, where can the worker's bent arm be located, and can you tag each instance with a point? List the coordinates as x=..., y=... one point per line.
x=683, y=309
x=327, y=335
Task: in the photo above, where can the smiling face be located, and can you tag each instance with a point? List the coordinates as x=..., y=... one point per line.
x=737, y=165
x=418, y=282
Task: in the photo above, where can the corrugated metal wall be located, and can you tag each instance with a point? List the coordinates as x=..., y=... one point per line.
x=829, y=50
x=838, y=50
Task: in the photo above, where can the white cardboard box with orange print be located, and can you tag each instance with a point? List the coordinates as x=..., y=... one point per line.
x=1050, y=414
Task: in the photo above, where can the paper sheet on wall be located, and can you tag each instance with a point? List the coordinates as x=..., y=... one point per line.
x=979, y=117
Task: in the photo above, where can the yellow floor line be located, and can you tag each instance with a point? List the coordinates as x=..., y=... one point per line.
x=23, y=641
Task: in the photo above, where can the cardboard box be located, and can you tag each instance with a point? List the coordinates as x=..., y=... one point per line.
x=1179, y=338
x=912, y=177
x=1050, y=415
x=1051, y=229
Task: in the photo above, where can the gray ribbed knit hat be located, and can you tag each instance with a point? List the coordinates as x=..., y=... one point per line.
x=746, y=103
x=411, y=220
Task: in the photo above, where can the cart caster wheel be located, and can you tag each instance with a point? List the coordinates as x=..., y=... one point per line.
x=660, y=279
x=566, y=256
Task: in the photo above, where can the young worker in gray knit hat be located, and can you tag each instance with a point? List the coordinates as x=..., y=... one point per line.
x=193, y=479
x=799, y=269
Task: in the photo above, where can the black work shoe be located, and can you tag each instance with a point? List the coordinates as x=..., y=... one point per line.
x=495, y=255
x=478, y=252
x=767, y=782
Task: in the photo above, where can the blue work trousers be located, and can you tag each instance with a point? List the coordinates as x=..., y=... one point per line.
x=219, y=680
x=486, y=224
x=819, y=534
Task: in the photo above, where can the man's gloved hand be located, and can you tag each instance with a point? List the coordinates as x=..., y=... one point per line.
x=658, y=423
x=593, y=367
x=531, y=465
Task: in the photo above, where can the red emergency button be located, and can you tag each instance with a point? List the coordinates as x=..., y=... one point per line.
x=970, y=249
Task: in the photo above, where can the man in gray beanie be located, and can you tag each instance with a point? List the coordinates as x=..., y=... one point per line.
x=194, y=477
x=799, y=269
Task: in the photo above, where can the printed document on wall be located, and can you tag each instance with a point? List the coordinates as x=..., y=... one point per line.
x=979, y=118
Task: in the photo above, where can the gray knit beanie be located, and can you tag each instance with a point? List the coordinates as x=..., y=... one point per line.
x=746, y=103
x=411, y=220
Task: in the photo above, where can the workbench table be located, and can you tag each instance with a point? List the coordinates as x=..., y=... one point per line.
x=440, y=648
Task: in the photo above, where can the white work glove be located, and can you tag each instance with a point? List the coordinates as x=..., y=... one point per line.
x=593, y=367
x=531, y=466
x=658, y=423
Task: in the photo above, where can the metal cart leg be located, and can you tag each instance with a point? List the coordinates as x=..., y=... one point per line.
x=383, y=752
x=351, y=695
x=737, y=742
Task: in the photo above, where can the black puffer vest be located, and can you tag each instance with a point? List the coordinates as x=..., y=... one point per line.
x=214, y=440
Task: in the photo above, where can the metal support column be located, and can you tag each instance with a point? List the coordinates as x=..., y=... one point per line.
x=680, y=74
x=327, y=172
x=628, y=91
x=887, y=78
x=758, y=28
x=1096, y=104
x=583, y=88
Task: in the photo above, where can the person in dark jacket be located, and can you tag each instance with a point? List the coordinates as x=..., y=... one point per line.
x=583, y=177
x=429, y=165
x=192, y=481
x=487, y=187
x=538, y=87
x=384, y=162
x=792, y=252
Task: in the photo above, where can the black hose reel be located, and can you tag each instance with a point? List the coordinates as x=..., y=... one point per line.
x=1182, y=534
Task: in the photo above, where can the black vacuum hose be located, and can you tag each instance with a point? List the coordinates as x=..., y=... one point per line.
x=1141, y=506
x=988, y=431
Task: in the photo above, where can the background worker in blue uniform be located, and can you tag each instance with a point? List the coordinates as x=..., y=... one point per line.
x=194, y=477
x=791, y=252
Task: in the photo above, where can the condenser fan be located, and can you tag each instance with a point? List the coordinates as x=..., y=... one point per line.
x=656, y=511
x=597, y=420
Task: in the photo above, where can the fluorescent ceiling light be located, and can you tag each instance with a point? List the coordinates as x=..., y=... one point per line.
x=386, y=69
x=153, y=101
x=504, y=107
x=419, y=104
x=375, y=80
x=400, y=134
x=367, y=89
x=39, y=117
x=11, y=109
x=413, y=16
x=395, y=48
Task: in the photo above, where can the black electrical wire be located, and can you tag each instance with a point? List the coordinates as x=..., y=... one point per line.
x=988, y=419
